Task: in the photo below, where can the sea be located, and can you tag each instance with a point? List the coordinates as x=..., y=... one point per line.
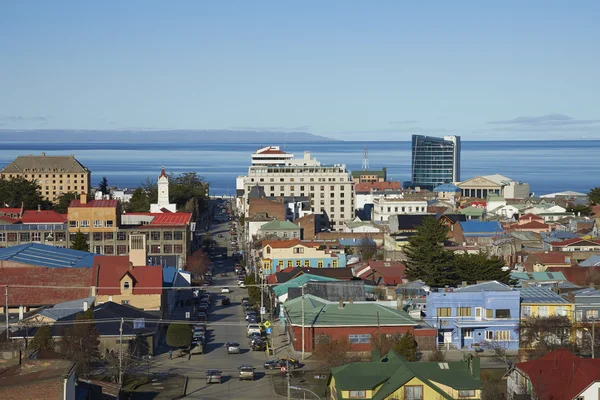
x=548, y=166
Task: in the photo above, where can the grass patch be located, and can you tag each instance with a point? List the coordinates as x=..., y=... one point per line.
x=132, y=382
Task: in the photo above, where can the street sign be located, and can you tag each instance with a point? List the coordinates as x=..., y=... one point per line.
x=138, y=323
x=187, y=315
x=283, y=369
x=267, y=324
x=269, y=331
x=263, y=310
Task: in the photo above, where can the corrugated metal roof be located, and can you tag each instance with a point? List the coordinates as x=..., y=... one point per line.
x=541, y=295
x=476, y=227
x=47, y=256
x=485, y=287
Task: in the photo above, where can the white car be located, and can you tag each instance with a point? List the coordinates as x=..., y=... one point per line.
x=224, y=289
x=252, y=328
x=242, y=284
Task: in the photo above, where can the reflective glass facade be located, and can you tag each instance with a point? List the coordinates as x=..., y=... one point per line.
x=435, y=161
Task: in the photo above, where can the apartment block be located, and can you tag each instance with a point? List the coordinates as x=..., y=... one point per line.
x=384, y=207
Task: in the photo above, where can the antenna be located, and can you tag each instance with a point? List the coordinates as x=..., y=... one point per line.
x=285, y=144
x=365, y=165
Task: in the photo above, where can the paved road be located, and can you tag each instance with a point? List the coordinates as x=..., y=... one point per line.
x=229, y=325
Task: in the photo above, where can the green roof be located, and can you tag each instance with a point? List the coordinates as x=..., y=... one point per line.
x=495, y=197
x=394, y=371
x=473, y=211
x=299, y=281
x=382, y=173
x=319, y=312
x=278, y=226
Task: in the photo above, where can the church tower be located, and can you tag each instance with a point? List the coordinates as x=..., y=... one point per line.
x=163, y=204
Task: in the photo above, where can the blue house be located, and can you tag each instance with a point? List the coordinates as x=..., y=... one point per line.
x=486, y=314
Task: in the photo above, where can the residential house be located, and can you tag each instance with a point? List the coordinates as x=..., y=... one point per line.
x=176, y=278
x=557, y=375
x=549, y=280
x=384, y=207
x=386, y=273
x=349, y=290
x=447, y=191
x=528, y=223
x=576, y=244
x=280, y=229
x=281, y=291
x=475, y=316
x=358, y=226
x=287, y=274
x=39, y=379
x=481, y=233
x=392, y=377
x=543, y=302
x=593, y=261
x=280, y=254
x=587, y=304
x=325, y=321
x=366, y=192
x=473, y=212
x=49, y=315
x=540, y=262
x=307, y=225
x=369, y=176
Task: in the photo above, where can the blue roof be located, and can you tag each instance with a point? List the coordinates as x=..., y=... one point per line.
x=357, y=242
x=593, y=261
x=47, y=256
x=169, y=274
x=480, y=228
x=541, y=295
x=446, y=187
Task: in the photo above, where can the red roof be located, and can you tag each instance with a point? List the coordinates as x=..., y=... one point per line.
x=108, y=271
x=170, y=218
x=552, y=257
x=163, y=173
x=531, y=216
x=10, y=210
x=377, y=186
x=570, y=242
x=560, y=375
x=43, y=217
x=95, y=204
x=577, y=275
x=533, y=225
x=9, y=219
x=75, y=282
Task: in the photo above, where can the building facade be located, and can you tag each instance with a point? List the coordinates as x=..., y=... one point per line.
x=384, y=207
x=54, y=175
x=370, y=176
x=280, y=254
x=435, y=161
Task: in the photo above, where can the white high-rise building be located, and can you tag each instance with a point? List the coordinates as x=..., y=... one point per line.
x=163, y=195
x=271, y=155
x=329, y=187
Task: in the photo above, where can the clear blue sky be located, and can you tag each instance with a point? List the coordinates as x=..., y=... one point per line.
x=343, y=69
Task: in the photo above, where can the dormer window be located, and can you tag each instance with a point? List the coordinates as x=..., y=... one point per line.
x=126, y=285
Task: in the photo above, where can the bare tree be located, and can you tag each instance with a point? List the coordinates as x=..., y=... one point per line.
x=541, y=335
x=197, y=263
x=126, y=360
x=500, y=348
x=368, y=248
x=335, y=353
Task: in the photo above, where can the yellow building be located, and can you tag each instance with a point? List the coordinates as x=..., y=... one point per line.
x=543, y=302
x=392, y=377
x=97, y=219
x=55, y=175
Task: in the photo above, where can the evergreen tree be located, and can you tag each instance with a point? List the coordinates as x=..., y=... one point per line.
x=61, y=205
x=80, y=242
x=426, y=258
x=139, y=202
x=19, y=191
x=80, y=342
x=103, y=186
x=179, y=335
x=43, y=339
x=479, y=267
x=407, y=347
x=594, y=196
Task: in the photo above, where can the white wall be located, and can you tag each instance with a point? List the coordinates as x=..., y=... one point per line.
x=516, y=190
x=383, y=208
x=591, y=393
x=252, y=229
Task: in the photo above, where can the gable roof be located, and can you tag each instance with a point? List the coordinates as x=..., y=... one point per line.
x=278, y=225
x=62, y=310
x=472, y=211
x=571, y=242
x=47, y=256
x=290, y=273
x=447, y=187
x=43, y=217
x=560, y=375
x=410, y=221
x=492, y=286
x=593, y=261
x=540, y=295
x=94, y=204
x=109, y=270
x=299, y=281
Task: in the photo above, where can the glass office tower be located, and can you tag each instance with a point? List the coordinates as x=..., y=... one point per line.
x=435, y=161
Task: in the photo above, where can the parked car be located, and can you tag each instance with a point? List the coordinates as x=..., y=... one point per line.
x=225, y=301
x=249, y=314
x=281, y=362
x=202, y=317
x=224, y=289
x=242, y=284
x=259, y=345
x=246, y=372
x=232, y=347
x=253, y=328
x=220, y=235
x=213, y=376
x=254, y=336
x=245, y=300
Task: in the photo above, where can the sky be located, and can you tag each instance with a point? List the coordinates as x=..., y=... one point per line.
x=353, y=70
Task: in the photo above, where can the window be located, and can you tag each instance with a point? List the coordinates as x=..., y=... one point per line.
x=334, y=263
x=307, y=263
x=489, y=313
x=124, y=301
x=468, y=333
x=502, y=335
x=591, y=314
x=97, y=236
x=542, y=311
x=35, y=236
x=126, y=285
x=298, y=250
x=444, y=312
x=108, y=236
x=155, y=249
x=154, y=235
x=503, y=313
x=24, y=237
x=97, y=223
x=268, y=249
x=489, y=335
x=320, y=264
x=177, y=235
x=121, y=235
x=12, y=237
x=2, y=237
x=560, y=310
x=463, y=311
x=298, y=263
x=109, y=224
x=525, y=311
x=168, y=235
x=289, y=263
x=365, y=338
x=413, y=392
x=121, y=249
x=466, y=393
x=167, y=249
x=358, y=394
x=280, y=263
x=109, y=249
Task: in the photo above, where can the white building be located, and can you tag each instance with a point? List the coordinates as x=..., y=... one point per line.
x=484, y=186
x=384, y=207
x=329, y=187
x=163, y=195
x=271, y=155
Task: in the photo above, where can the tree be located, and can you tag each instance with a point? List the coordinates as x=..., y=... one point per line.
x=407, y=347
x=43, y=339
x=368, y=248
x=253, y=291
x=179, y=335
x=333, y=353
x=103, y=186
x=594, y=196
x=426, y=258
x=151, y=189
x=80, y=342
x=197, y=263
x=544, y=334
x=130, y=357
x=80, y=242
x=471, y=268
x=581, y=210
x=61, y=205
x=187, y=186
x=18, y=191
x=139, y=202
x=207, y=240
x=437, y=355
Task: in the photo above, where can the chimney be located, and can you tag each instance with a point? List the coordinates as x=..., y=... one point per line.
x=83, y=198
x=85, y=306
x=39, y=208
x=20, y=313
x=341, y=304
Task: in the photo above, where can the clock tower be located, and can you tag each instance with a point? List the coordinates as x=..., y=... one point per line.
x=163, y=195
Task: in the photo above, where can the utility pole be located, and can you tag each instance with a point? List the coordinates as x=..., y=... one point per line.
x=289, y=383
x=303, y=321
x=6, y=313
x=262, y=295
x=378, y=331
x=121, y=353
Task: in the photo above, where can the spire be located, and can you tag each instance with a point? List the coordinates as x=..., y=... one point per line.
x=163, y=173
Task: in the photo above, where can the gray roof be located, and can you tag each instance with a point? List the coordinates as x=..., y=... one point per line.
x=43, y=163
x=541, y=295
x=593, y=261
x=492, y=286
x=67, y=308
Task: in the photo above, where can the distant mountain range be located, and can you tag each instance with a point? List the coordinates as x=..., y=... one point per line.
x=190, y=136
